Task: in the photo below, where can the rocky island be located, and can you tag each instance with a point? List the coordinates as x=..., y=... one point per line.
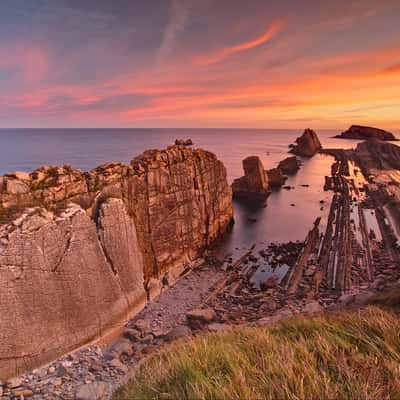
x=366, y=132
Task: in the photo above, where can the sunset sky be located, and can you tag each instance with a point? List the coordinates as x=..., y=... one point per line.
x=199, y=63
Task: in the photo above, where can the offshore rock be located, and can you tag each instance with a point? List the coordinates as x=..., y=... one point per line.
x=307, y=145
x=254, y=184
x=77, y=248
x=289, y=165
x=276, y=177
x=366, y=132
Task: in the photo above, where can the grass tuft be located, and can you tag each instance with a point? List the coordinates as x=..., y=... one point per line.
x=349, y=355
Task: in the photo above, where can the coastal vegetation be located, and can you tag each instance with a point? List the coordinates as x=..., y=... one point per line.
x=352, y=354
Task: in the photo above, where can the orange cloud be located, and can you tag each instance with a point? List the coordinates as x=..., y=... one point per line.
x=220, y=55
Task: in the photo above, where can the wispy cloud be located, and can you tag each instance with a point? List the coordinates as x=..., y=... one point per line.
x=222, y=54
x=178, y=14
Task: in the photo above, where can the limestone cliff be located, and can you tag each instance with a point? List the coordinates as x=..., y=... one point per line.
x=76, y=248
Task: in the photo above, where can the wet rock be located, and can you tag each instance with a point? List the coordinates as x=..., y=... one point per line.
x=178, y=332
x=198, y=318
x=93, y=391
x=289, y=165
x=307, y=145
x=366, y=132
x=253, y=186
x=276, y=177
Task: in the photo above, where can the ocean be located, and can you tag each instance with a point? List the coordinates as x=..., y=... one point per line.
x=289, y=214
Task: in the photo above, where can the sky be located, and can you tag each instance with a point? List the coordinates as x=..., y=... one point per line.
x=200, y=63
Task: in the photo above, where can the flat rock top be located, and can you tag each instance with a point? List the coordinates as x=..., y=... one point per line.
x=366, y=132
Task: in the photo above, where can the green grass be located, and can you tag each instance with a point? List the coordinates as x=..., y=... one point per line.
x=349, y=355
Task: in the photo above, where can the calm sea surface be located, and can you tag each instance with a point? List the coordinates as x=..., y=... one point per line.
x=27, y=149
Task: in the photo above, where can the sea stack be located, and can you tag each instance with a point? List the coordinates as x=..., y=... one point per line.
x=307, y=145
x=253, y=186
x=275, y=177
x=289, y=165
x=366, y=132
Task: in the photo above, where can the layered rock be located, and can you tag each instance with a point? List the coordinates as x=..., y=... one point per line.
x=275, y=177
x=77, y=248
x=366, y=132
x=378, y=155
x=253, y=186
x=307, y=145
x=289, y=165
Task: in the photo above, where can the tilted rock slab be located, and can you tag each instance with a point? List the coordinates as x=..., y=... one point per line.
x=76, y=248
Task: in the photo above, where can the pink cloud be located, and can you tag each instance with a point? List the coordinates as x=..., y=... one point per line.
x=222, y=54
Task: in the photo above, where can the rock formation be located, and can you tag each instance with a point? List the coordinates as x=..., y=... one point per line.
x=366, y=132
x=184, y=142
x=77, y=248
x=376, y=154
x=289, y=165
x=253, y=186
x=276, y=177
x=307, y=145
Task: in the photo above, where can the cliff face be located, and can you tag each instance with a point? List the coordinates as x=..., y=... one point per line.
x=77, y=248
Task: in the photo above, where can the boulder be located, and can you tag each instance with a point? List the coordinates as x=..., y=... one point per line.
x=198, y=318
x=120, y=347
x=307, y=145
x=360, y=132
x=254, y=184
x=289, y=165
x=276, y=177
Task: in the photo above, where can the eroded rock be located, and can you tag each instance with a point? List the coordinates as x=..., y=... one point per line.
x=307, y=145
x=76, y=247
x=254, y=184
